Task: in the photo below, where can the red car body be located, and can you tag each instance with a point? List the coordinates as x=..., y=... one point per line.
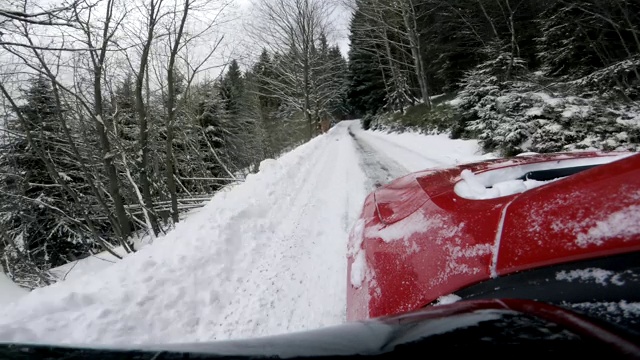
x=418, y=240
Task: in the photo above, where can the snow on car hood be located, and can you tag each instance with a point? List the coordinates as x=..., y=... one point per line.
x=505, y=181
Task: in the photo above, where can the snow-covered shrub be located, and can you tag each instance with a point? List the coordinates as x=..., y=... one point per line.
x=621, y=79
x=522, y=118
x=479, y=98
x=488, y=110
x=437, y=119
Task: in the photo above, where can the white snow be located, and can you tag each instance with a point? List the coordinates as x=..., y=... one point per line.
x=417, y=152
x=471, y=188
x=358, y=269
x=600, y=276
x=86, y=266
x=264, y=257
x=9, y=291
x=534, y=111
x=623, y=223
x=447, y=299
x=504, y=181
x=615, y=311
x=548, y=99
x=64, y=176
x=359, y=266
x=454, y=102
x=403, y=230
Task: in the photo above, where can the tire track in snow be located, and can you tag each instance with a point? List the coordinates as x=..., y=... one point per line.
x=408, y=158
x=379, y=168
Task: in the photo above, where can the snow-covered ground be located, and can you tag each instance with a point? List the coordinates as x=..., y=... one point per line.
x=265, y=257
x=9, y=291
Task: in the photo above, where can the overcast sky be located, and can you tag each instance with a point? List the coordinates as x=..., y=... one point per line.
x=341, y=17
x=237, y=43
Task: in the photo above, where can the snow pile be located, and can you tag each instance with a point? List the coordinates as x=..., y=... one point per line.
x=89, y=265
x=265, y=257
x=447, y=299
x=471, y=188
x=507, y=181
x=9, y=291
x=416, y=223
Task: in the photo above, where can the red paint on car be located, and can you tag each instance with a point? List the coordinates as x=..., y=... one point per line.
x=422, y=241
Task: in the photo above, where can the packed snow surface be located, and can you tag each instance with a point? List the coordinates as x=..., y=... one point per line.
x=264, y=257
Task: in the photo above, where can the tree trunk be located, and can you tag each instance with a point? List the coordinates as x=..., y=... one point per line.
x=171, y=114
x=143, y=139
x=107, y=156
x=410, y=21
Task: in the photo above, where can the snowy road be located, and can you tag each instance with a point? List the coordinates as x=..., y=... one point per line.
x=263, y=258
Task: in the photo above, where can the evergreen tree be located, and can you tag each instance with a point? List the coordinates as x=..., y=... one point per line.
x=595, y=42
x=242, y=125
x=38, y=218
x=268, y=104
x=366, y=85
x=212, y=118
x=339, y=106
x=566, y=47
x=232, y=88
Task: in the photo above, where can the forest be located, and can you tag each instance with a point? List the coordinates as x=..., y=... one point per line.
x=518, y=75
x=119, y=117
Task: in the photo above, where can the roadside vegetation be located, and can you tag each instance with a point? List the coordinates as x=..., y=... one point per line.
x=519, y=76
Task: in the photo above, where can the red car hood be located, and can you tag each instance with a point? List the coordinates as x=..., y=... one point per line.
x=418, y=240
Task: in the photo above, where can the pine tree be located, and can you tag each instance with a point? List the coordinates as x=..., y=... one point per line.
x=366, y=84
x=232, y=88
x=242, y=125
x=268, y=103
x=338, y=106
x=582, y=37
x=37, y=219
x=565, y=49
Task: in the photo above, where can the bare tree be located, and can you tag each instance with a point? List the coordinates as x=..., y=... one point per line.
x=178, y=39
x=14, y=15
x=18, y=12
x=292, y=29
x=99, y=42
x=153, y=15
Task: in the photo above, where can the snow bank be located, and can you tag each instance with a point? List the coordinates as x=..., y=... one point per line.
x=262, y=258
x=9, y=291
x=87, y=266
